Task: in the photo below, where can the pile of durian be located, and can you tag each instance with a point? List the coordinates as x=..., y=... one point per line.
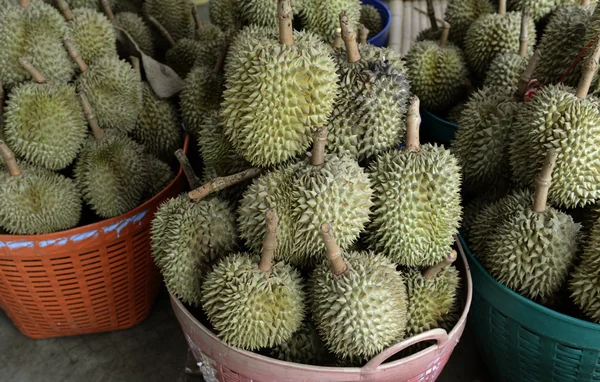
x=320, y=230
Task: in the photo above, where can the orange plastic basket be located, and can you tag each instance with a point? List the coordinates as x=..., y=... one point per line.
x=90, y=279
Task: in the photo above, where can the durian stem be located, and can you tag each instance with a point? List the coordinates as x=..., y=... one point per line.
x=222, y=183
x=318, y=150
x=433, y=271
x=197, y=20
x=9, y=159
x=284, y=13
x=63, y=7
x=107, y=9
x=189, y=172
x=135, y=64
x=74, y=54
x=524, y=36
x=333, y=251
x=588, y=69
x=24, y=3
x=527, y=73
x=543, y=182
x=269, y=244
x=431, y=15
x=97, y=132
x=363, y=33
x=338, y=42
x=349, y=37
x=501, y=7
x=445, y=34
x=220, y=61
x=585, y=3
x=163, y=31
x=25, y=62
x=413, y=121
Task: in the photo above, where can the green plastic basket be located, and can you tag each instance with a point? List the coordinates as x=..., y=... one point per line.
x=524, y=341
x=436, y=130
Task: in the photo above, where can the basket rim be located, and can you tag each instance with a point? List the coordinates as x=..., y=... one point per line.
x=9, y=240
x=380, y=5
x=437, y=119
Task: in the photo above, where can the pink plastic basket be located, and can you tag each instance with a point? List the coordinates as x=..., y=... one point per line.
x=220, y=362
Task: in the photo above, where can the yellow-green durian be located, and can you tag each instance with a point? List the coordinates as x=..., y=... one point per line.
x=261, y=12
x=202, y=93
x=175, y=15
x=92, y=34
x=505, y=70
x=462, y=13
x=160, y=173
x=585, y=280
x=305, y=347
x=537, y=8
x=322, y=17
x=371, y=19
x=137, y=28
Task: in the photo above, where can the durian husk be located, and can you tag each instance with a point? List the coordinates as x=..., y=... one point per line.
x=137, y=28
x=371, y=19
x=585, y=280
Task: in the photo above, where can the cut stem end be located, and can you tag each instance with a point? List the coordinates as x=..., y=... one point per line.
x=270, y=241
x=284, y=13
x=9, y=159
x=544, y=181
x=333, y=251
x=413, y=121
x=349, y=37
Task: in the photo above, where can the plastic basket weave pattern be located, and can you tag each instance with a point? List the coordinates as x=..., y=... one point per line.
x=522, y=341
x=95, y=278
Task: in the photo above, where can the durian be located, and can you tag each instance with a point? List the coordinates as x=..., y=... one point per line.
x=224, y=14
x=371, y=19
x=269, y=118
x=585, y=280
x=321, y=17
x=462, y=13
x=305, y=346
x=433, y=33
x=417, y=200
x=261, y=12
x=537, y=8
x=137, y=28
x=202, y=94
x=34, y=200
x=183, y=55
x=359, y=301
x=129, y=6
x=532, y=251
x=175, y=15
x=161, y=175
x=44, y=121
x=209, y=32
x=251, y=302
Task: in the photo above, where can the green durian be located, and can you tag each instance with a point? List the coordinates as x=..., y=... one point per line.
x=462, y=13
x=297, y=85
x=92, y=34
x=84, y=4
x=34, y=200
x=157, y=127
x=322, y=17
x=182, y=56
x=417, y=200
x=137, y=28
x=223, y=13
x=305, y=347
x=160, y=173
x=115, y=93
x=45, y=124
x=261, y=12
x=209, y=32
x=251, y=302
x=175, y=15
x=585, y=280
x=371, y=19
x=128, y=6
x=359, y=302
x=434, y=32
x=532, y=251
x=473, y=208
x=202, y=93
x=537, y=8
x=454, y=114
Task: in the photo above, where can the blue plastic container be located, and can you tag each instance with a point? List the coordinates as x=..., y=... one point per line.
x=382, y=38
x=436, y=130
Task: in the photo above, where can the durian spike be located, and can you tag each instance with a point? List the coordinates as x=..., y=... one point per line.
x=107, y=9
x=222, y=183
x=363, y=33
x=318, y=150
x=524, y=36
x=89, y=114
x=135, y=64
x=501, y=7
x=338, y=42
x=284, y=13
x=588, y=69
x=413, y=121
x=445, y=34
x=543, y=182
x=2, y=99
x=431, y=15
x=189, y=172
x=24, y=3
x=197, y=21
x=74, y=54
x=163, y=31
x=63, y=7
x=9, y=159
x=433, y=271
x=269, y=244
x=38, y=77
x=333, y=251
x=527, y=73
x=349, y=37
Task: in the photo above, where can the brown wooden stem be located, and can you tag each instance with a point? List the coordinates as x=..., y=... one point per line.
x=197, y=21
x=135, y=64
x=9, y=159
x=163, y=31
x=431, y=15
x=220, y=64
x=524, y=36
x=445, y=34
x=26, y=64
x=24, y=3
x=526, y=75
x=333, y=251
x=189, y=172
x=543, y=182
x=433, y=271
x=64, y=9
x=338, y=42
x=363, y=33
x=501, y=7
x=413, y=121
x=588, y=69
x=222, y=183
x=269, y=244
x=585, y=3
x=97, y=132
x=318, y=150
x=75, y=55
x=284, y=13
x=107, y=9
x=349, y=37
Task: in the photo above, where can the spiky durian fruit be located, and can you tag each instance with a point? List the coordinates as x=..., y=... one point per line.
x=261, y=12
x=585, y=281
x=322, y=17
x=114, y=91
x=297, y=86
x=493, y=34
x=157, y=127
x=182, y=56
x=537, y=8
x=175, y=15
x=223, y=13
x=481, y=142
x=532, y=251
x=132, y=6
x=209, y=32
x=252, y=303
x=359, y=302
x=433, y=33
x=137, y=28
x=201, y=94
x=187, y=238
x=86, y=4
x=45, y=124
x=438, y=73
x=431, y=295
x=34, y=200
x=371, y=19
x=35, y=31
x=462, y=13
x=160, y=173
x=93, y=35
x=417, y=200
x=454, y=114
x=304, y=347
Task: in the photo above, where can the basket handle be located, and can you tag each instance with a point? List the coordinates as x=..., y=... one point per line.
x=438, y=335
